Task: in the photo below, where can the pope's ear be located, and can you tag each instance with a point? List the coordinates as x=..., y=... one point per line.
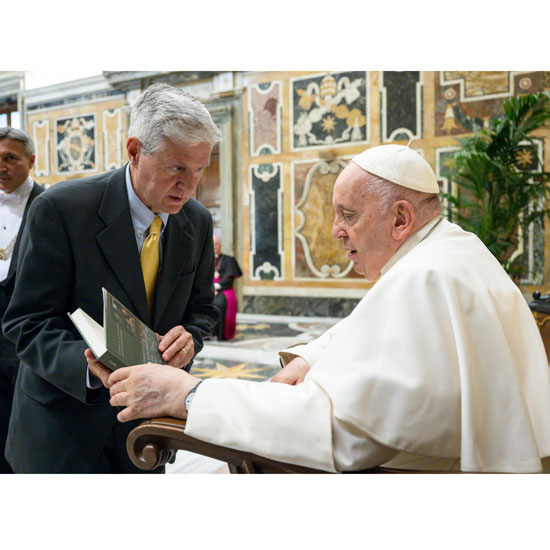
x=404, y=220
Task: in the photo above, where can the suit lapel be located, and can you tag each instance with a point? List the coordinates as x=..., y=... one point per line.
x=118, y=242
x=177, y=258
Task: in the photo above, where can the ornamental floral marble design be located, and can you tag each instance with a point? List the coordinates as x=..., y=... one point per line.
x=329, y=109
x=75, y=144
x=317, y=254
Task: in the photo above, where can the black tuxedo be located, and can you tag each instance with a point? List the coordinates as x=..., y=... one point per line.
x=8, y=357
x=79, y=237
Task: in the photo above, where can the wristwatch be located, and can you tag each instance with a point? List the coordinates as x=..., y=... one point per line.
x=191, y=395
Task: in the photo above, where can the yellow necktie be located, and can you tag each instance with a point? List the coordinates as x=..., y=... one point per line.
x=150, y=260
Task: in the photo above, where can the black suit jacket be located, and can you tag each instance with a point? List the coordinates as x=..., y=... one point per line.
x=79, y=238
x=8, y=357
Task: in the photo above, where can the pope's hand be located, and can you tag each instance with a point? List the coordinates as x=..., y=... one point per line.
x=96, y=368
x=294, y=373
x=150, y=391
x=177, y=347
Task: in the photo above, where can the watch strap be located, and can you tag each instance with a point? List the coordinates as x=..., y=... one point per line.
x=191, y=395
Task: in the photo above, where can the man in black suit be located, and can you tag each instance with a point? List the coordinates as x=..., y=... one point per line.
x=87, y=234
x=17, y=191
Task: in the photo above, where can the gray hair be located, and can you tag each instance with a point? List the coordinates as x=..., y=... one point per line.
x=386, y=193
x=14, y=133
x=167, y=113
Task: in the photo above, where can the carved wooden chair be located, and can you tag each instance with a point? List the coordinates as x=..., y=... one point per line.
x=155, y=442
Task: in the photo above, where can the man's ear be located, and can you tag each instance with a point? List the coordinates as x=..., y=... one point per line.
x=404, y=220
x=133, y=146
x=31, y=159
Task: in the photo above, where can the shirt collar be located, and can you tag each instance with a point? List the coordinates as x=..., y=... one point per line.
x=409, y=244
x=142, y=217
x=22, y=192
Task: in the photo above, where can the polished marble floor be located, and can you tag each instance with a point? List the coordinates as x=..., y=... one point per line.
x=251, y=355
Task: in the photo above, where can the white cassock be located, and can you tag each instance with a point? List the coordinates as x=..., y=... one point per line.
x=440, y=366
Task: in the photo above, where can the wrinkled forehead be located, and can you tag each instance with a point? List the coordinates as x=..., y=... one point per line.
x=350, y=186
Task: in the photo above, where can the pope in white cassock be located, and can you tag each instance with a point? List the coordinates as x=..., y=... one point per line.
x=440, y=366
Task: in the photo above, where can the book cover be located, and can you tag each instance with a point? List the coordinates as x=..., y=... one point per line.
x=123, y=340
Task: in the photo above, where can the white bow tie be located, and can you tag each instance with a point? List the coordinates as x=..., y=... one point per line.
x=10, y=198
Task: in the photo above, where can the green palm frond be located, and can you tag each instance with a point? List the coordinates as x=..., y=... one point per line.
x=494, y=187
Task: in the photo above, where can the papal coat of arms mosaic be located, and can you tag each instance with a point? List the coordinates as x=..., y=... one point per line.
x=329, y=109
x=75, y=144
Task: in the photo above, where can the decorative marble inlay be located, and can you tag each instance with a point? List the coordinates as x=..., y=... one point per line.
x=75, y=144
x=112, y=138
x=467, y=100
x=476, y=85
x=233, y=369
x=317, y=254
x=266, y=221
x=265, y=106
x=41, y=138
x=329, y=109
x=401, y=105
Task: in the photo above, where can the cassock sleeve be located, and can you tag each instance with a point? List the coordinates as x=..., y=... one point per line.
x=287, y=423
x=282, y=422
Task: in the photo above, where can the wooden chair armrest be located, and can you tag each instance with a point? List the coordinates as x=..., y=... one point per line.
x=154, y=443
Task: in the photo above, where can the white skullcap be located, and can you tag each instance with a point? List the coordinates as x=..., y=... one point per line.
x=399, y=164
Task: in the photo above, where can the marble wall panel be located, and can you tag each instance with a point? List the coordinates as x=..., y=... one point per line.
x=75, y=144
x=317, y=255
x=400, y=105
x=265, y=106
x=266, y=222
x=299, y=306
x=41, y=138
x=444, y=167
x=112, y=138
x=465, y=101
x=329, y=110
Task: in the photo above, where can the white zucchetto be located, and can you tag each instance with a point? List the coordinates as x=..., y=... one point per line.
x=399, y=164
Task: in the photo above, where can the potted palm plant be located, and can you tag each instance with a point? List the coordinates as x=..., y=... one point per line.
x=501, y=185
